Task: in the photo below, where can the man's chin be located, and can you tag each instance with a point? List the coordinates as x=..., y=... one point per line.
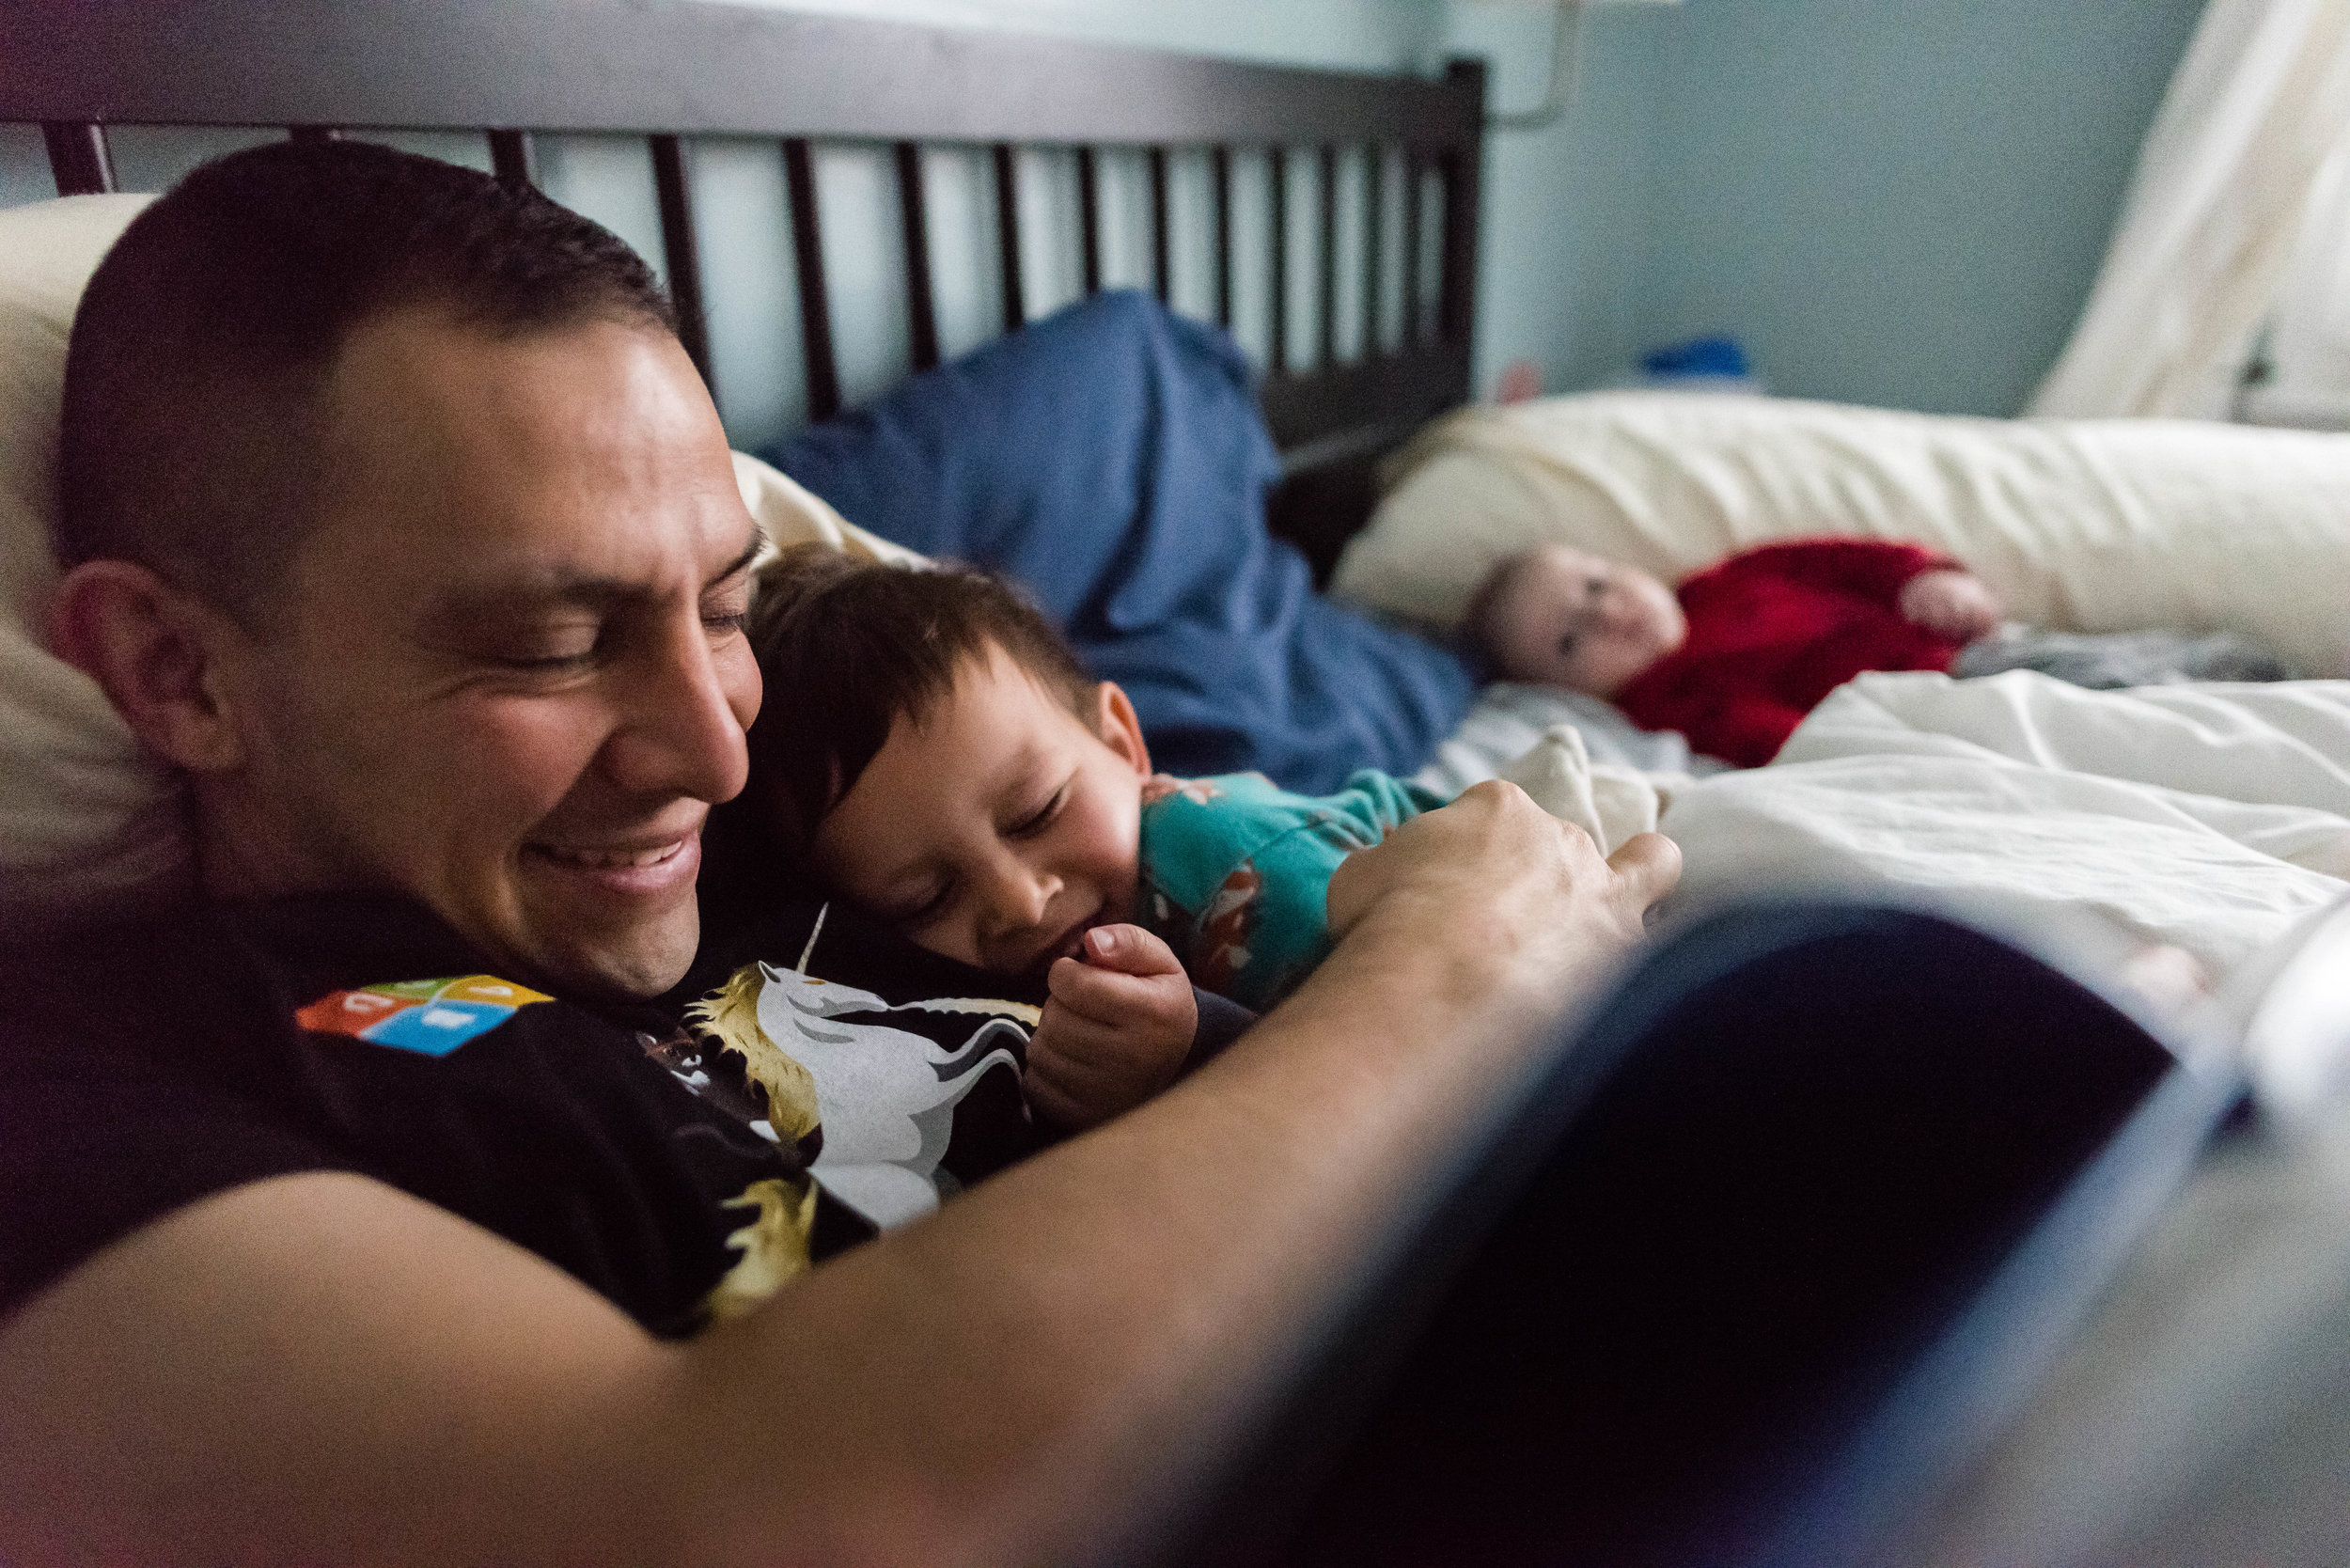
x=585, y=959
x=621, y=974
x=617, y=934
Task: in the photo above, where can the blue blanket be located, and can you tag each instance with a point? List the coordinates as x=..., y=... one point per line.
x=1112, y=460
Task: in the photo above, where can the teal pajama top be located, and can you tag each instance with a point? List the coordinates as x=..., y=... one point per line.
x=1235, y=872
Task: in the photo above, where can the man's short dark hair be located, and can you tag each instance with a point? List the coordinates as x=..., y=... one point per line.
x=192, y=379
x=849, y=646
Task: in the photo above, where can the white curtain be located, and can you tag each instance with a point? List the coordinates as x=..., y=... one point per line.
x=2309, y=336
x=2239, y=154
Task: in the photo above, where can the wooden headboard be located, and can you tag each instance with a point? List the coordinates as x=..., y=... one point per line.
x=672, y=72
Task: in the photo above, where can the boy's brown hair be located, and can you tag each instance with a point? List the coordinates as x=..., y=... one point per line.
x=848, y=646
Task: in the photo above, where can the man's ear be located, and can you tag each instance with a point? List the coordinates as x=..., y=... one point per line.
x=1113, y=720
x=156, y=652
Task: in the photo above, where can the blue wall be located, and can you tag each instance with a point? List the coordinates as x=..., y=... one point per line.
x=1897, y=201
x=1564, y=254
x=1890, y=201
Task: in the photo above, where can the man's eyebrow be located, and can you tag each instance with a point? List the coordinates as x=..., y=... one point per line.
x=741, y=563
x=540, y=590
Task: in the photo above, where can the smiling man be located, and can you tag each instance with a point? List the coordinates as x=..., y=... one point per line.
x=455, y=610
x=504, y=672
x=356, y=1214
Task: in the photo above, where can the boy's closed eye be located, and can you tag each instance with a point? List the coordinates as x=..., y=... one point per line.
x=927, y=910
x=1036, y=820
x=929, y=905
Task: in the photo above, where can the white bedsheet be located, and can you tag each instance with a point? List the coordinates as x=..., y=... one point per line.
x=2211, y=817
x=1509, y=720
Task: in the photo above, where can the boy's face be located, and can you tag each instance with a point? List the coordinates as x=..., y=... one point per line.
x=1578, y=620
x=1000, y=829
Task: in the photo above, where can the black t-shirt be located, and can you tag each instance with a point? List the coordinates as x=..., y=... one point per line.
x=150, y=1065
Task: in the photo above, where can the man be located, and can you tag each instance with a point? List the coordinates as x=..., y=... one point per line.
x=401, y=525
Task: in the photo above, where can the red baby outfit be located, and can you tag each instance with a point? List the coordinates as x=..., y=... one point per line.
x=1773, y=631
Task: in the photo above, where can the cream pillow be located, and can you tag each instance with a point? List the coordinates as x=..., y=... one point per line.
x=88, y=826
x=91, y=827
x=2081, y=525
x=789, y=515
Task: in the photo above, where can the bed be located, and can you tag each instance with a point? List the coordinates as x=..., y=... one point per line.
x=2214, y=820
x=1141, y=523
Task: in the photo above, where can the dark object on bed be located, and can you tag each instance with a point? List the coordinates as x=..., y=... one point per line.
x=1319, y=509
x=2111, y=661
x=1896, y=1160
x=1111, y=459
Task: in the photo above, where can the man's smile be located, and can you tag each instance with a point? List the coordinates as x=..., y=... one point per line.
x=635, y=868
x=609, y=858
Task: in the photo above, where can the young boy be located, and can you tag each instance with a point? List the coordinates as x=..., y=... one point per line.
x=935, y=753
x=1747, y=647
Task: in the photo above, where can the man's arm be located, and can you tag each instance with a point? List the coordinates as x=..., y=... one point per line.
x=319, y=1367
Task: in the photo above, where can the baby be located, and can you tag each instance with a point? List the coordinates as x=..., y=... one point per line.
x=934, y=752
x=1747, y=648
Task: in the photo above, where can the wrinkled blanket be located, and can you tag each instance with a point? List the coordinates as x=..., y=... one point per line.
x=2209, y=816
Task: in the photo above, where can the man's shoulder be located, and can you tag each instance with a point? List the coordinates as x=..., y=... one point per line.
x=110, y=989
x=115, y=1113
x=166, y=1061
x=324, y=932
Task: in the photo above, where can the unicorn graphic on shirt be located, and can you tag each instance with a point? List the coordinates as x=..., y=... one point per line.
x=882, y=1099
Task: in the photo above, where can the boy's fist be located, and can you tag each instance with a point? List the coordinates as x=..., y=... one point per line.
x=1115, y=1030
x=1953, y=604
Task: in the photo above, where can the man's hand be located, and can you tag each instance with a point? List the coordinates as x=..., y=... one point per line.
x=1115, y=1031
x=1496, y=877
x=1953, y=604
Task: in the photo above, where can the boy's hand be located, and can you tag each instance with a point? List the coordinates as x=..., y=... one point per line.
x=1953, y=604
x=1115, y=1031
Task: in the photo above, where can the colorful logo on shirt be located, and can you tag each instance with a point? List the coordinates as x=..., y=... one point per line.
x=432, y=1017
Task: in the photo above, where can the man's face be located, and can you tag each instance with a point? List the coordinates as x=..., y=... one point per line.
x=508, y=677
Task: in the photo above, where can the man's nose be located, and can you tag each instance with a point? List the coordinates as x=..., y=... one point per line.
x=683, y=704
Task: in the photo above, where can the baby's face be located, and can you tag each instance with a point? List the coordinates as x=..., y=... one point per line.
x=1576, y=620
x=1002, y=828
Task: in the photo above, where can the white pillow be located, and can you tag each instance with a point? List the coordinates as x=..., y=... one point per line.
x=90, y=826
x=2088, y=525
x=790, y=514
